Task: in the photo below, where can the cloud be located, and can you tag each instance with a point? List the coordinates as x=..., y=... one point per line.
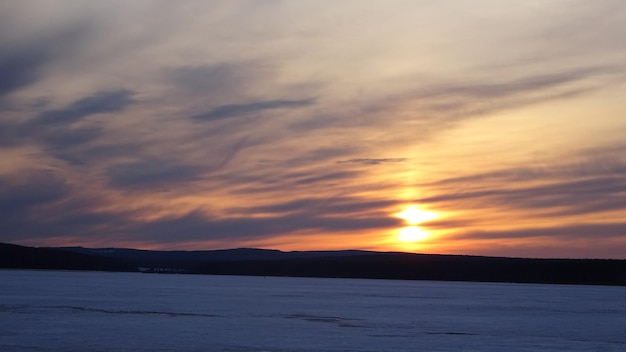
x=588, y=187
x=439, y=105
x=47, y=213
x=573, y=240
x=564, y=37
x=53, y=126
x=63, y=222
x=28, y=202
x=214, y=79
x=67, y=138
x=26, y=193
x=596, y=162
x=72, y=216
x=268, y=179
x=514, y=87
x=57, y=134
x=228, y=155
x=572, y=232
x=20, y=68
x=22, y=64
x=107, y=101
x=196, y=226
x=78, y=151
x=336, y=177
x=557, y=193
x=369, y=161
x=233, y=110
x=331, y=206
x=152, y=173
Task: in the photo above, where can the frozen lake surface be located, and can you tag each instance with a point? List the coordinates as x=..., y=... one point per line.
x=96, y=311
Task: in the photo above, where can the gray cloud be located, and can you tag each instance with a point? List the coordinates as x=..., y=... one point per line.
x=197, y=227
x=583, y=188
x=233, y=110
x=597, y=162
x=268, y=179
x=101, y=102
x=530, y=84
x=439, y=105
x=78, y=151
x=567, y=241
x=12, y=133
x=219, y=78
x=597, y=194
x=228, y=155
x=316, y=156
x=22, y=64
x=27, y=201
x=21, y=68
x=336, y=177
x=370, y=161
x=572, y=232
x=75, y=217
x=566, y=38
x=335, y=206
x=52, y=127
x=66, y=138
x=28, y=192
x=151, y=173
x=43, y=207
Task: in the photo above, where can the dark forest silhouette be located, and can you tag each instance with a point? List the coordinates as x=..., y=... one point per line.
x=334, y=264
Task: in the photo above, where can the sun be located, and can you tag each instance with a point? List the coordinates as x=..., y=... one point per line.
x=412, y=234
x=413, y=215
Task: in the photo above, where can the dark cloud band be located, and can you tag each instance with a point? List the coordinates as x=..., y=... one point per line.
x=234, y=110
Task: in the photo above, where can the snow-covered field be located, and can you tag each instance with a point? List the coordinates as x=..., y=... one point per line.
x=95, y=311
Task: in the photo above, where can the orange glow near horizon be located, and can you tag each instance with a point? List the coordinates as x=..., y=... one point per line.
x=412, y=234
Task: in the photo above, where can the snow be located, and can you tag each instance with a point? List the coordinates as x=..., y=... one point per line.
x=96, y=311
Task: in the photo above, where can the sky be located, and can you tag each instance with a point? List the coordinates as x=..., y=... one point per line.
x=486, y=128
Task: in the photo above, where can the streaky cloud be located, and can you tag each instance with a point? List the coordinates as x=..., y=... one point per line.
x=458, y=101
x=518, y=86
x=572, y=232
x=233, y=110
x=107, y=101
x=213, y=79
x=20, y=68
x=585, y=187
x=371, y=161
x=28, y=192
x=344, y=206
x=55, y=130
x=563, y=193
x=229, y=155
x=196, y=226
x=325, y=177
x=64, y=138
x=22, y=65
x=151, y=173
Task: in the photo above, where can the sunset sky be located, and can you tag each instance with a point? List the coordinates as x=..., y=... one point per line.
x=480, y=127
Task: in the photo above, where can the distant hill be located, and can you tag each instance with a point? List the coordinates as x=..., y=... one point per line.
x=406, y=266
x=340, y=264
x=191, y=260
x=21, y=257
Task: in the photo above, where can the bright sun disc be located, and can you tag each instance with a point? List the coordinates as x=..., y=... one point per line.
x=414, y=215
x=412, y=234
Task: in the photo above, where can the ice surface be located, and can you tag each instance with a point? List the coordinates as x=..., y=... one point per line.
x=95, y=311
